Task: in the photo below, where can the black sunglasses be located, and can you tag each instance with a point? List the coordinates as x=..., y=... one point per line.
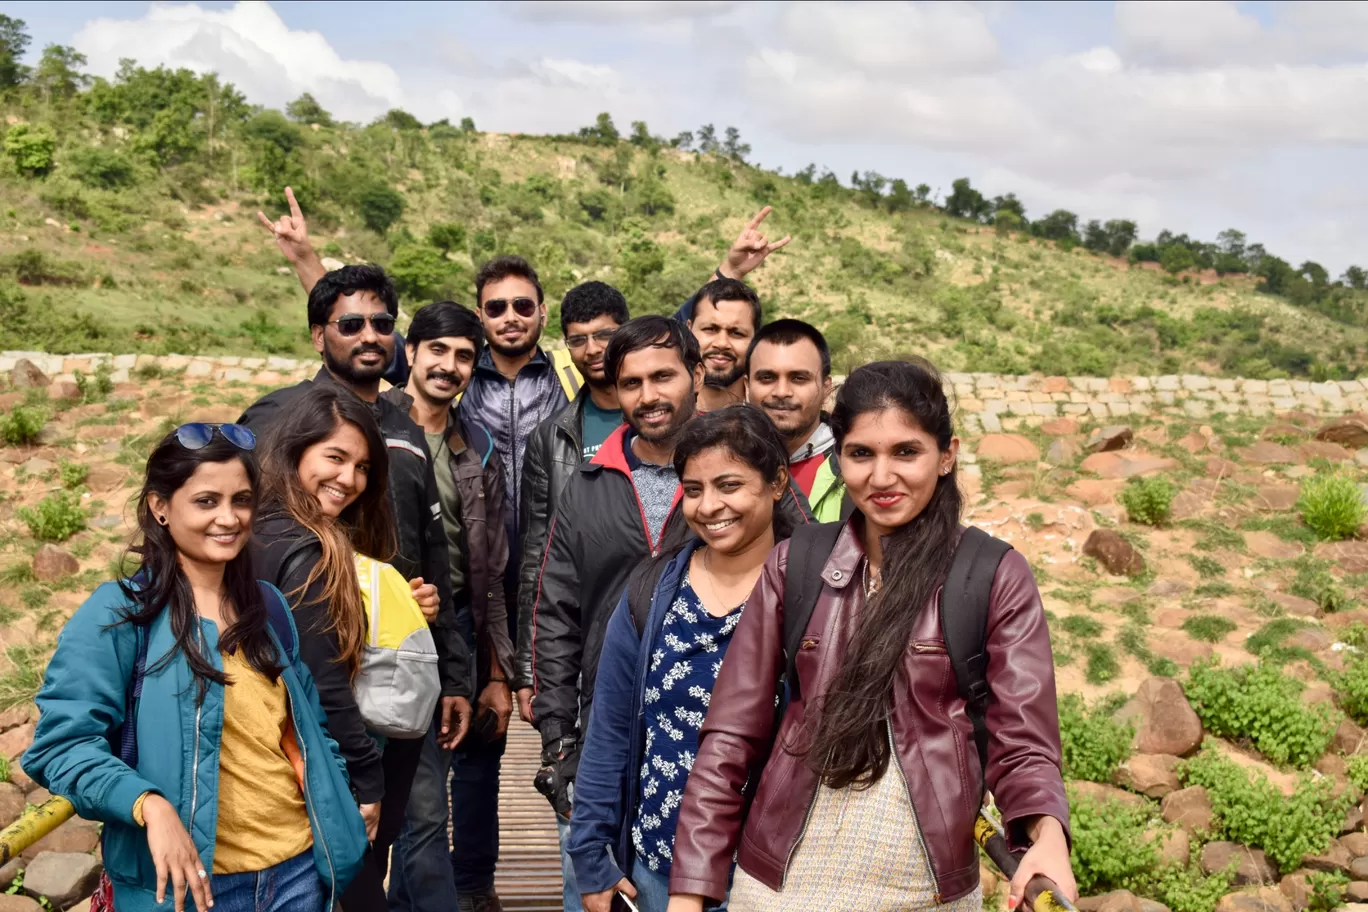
x=603, y=337
x=197, y=435
x=352, y=324
x=523, y=307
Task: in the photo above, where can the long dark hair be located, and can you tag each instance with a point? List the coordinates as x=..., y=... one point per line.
x=160, y=584
x=850, y=745
x=748, y=434
x=366, y=526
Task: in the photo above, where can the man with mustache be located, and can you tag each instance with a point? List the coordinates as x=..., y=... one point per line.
x=790, y=378
x=616, y=510
x=443, y=345
x=725, y=317
x=351, y=314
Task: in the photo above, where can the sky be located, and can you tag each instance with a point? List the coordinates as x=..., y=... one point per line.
x=1195, y=117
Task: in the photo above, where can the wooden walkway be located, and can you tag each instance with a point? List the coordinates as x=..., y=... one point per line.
x=529, y=873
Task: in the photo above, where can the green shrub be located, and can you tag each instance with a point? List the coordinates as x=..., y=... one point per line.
x=1332, y=506
x=421, y=272
x=1206, y=567
x=380, y=206
x=1327, y=890
x=22, y=425
x=1109, y=849
x=1190, y=889
x=31, y=146
x=1148, y=500
x=1315, y=581
x=72, y=474
x=1358, y=771
x=447, y=236
x=1102, y=664
x=1211, y=628
x=1252, y=811
x=98, y=387
x=1134, y=640
x=1092, y=743
x=1082, y=627
x=1351, y=687
x=20, y=684
x=1267, y=641
x=55, y=518
x=1261, y=704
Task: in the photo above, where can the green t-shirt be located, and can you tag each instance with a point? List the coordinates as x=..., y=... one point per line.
x=450, y=499
x=598, y=424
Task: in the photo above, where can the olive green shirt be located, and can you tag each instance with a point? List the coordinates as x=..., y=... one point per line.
x=450, y=499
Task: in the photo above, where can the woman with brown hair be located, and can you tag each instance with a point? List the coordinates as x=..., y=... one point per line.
x=862, y=793
x=323, y=499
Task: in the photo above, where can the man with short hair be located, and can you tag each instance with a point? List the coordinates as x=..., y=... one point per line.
x=619, y=508
x=725, y=317
x=790, y=378
x=351, y=315
x=444, y=342
x=590, y=314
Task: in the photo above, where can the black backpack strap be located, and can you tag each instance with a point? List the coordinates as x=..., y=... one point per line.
x=642, y=583
x=278, y=616
x=128, y=731
x=809, y=548
x=964, y=622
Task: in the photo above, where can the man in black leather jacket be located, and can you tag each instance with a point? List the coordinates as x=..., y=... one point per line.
x=590, y=314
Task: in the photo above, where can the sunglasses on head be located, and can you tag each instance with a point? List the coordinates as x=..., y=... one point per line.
x=197, y=435
x=352, y=324
x=523, y=307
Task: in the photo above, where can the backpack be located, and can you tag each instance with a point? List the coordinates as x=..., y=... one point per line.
x=397, y=688
x=964, y=613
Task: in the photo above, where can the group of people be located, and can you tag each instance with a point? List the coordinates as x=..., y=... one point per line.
x=722, y=607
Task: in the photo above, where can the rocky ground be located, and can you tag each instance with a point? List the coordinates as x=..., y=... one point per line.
x=1132, y=607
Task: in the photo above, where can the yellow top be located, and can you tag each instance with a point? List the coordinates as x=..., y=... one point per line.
x=262, y=820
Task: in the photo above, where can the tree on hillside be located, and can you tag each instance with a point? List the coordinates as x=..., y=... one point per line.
x=806, y=176
x=1277, y=274
x=602, y=133
x=641, y=136
x=1120, y=234
x=275, y=144
x=1095, y=236
x=399, y=119
x=1008, y=203
x=1230, y=252
x=966, y=202
x=707, y=139
x=1175, y=258
x=1060, y=225
x=306, y=110
x=684, y=140
x=31, y=147
x=380, y=206
x=733, y=147
x=1315, y=273
x=1356, y=277
x=922, y=193
x=14, y=40
x=899, y=197
x=59, y=73
x=467, y=125
x=870, y=187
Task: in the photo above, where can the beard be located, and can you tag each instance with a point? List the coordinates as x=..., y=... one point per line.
x=347, y=370
x=794, y=425
x=725, y=378
x=513, y=350
x=680, y=415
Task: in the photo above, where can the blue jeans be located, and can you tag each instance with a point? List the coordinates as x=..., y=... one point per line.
x=570, y=891
x=653, y=890
x=420, y=869
x=291, y=886
x=475, y=815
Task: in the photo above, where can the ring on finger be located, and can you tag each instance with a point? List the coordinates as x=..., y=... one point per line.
x=202, y=874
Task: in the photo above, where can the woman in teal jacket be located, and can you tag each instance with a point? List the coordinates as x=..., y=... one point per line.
x=176, y=709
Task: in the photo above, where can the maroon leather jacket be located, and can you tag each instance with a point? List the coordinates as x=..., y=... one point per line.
x=931, y=730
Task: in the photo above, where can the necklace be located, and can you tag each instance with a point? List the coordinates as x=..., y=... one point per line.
x=712, y=585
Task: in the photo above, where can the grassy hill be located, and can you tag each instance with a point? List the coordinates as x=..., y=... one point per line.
x=127, y=223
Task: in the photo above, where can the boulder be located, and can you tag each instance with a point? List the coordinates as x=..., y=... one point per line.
x=1175, y=845
x=1062, y=451
x=1094, y=492
x=1276, y=496
x=1266, y=452
x=1007, y=449
x=52, y=563
x=63, y=390
x=1268, y=545
x=1063, y=427
x=1186, y=505
x=15, y=902
x=63, y=877
x=1322, y=449
x=1149, y=905
x=10, y=870
x=1194, y=443
x=26, y=375
x=1168, y=588
x=1115, y=901
x=1350, y=556
x=1263, y=899
x=1297, y=888
x=1098, y=793
x=1128, y=464
x=1283, y=429
x=1106, y=439
x=1163, y=719
x=17, y=740
x=1221, y=468
x=1189, y=808
x=1356, y=891
x=76, y=836
x=1113, y=552
x=1295, y=604
x=1335, y=859
x=11, y=803
x=1252, y=867
x=1352, y=826
x=1358, y=868
x=106, y=476
x=1152, y=775
x=1348, y=739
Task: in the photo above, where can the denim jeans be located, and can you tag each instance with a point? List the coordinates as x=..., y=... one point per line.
x=291, y=886
x=475, y=815
x=420, y=868
x=653, y=890
x=570, y=890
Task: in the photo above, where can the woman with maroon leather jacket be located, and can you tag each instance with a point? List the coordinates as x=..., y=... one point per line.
x=866, y=794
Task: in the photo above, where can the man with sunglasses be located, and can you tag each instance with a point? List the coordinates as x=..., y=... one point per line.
x=590, y=314
x=351, y=315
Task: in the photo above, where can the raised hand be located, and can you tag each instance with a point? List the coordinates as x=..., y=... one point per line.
x=291, y=233
x=750, y=248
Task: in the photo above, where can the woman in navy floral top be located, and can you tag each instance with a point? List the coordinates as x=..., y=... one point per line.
x=657, y=671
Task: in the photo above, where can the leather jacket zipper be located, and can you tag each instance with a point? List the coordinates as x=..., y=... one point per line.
x=807, y=817
x=921, y=837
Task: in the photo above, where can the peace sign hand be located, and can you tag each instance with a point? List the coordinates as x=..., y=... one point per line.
x=291, y=234
x=751, y=248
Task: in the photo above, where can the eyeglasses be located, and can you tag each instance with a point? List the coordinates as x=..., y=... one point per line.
x=603, y=337
x=197, y=435
x=523, y=307
x=352, y=324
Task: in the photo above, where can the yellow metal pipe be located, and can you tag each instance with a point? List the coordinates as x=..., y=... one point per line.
x=35, y=823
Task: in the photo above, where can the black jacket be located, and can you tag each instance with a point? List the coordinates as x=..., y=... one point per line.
x=275, y=536
x=597, y=536
x=418, y=516
x=554, y=453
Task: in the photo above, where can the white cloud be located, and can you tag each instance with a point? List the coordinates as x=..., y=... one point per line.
x=250, y=46
x=893, y=37
x=645, y=11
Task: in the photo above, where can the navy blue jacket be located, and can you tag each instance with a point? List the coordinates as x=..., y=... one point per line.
x=607, y=786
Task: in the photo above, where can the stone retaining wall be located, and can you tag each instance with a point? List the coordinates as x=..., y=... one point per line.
x=986, y=402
